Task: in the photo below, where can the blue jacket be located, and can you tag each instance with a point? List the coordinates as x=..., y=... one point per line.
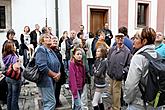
x=161, y=49
x=46, y=60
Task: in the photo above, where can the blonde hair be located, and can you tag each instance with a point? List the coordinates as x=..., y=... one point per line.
x=41, y=39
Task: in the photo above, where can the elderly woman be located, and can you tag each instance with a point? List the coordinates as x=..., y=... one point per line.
x=62, y=79
x=50, y=70
x=138, y=68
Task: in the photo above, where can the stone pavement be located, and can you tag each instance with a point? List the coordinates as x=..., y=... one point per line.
x=30, y=98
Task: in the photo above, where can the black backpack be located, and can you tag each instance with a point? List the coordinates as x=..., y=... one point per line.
x=153, y=91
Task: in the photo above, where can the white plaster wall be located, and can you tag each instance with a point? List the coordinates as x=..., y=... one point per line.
x=64, y=16
x=31, y=12
x=101, y=4
x=132, y=16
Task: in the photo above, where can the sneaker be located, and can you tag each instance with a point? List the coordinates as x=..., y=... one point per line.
x=105, y=95
x=66, y=86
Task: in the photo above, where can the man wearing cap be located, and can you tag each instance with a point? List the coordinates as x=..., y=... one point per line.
x=160, y=47
x=118, y=63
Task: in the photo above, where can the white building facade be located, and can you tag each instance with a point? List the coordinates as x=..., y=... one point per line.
x=134, y=14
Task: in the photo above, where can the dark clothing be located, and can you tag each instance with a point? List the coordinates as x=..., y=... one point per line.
x=94, y=46
x=118, y=62
x=108, y=33
x=33, y=38
x=22, y=42
x=23, y=51
x=68, y=47
x=79, y=33
x=99, y=72
x=3, y=91
x=62, y=79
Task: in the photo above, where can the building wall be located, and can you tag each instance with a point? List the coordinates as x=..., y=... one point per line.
x=132, y=5
x=31, y=12
x=123, y=13
x=64, y=16
x=75, y=14
x=160, y=16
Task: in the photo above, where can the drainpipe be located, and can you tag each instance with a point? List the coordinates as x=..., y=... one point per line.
x=56, y=17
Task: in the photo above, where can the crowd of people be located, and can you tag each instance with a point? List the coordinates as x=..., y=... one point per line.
x=78, y=58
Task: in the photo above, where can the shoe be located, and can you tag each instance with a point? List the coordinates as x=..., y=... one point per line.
x=96, y=108
x=66, y=86
x=105, y=95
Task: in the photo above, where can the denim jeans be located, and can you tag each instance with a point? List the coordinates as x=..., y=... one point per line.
x=77, y=102
x=48, y=97
x=66, y=66
x=14, y=88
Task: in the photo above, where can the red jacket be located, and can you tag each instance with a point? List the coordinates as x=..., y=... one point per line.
x=76, y=77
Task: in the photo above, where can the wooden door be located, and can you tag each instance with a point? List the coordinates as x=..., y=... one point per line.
x=97, y=19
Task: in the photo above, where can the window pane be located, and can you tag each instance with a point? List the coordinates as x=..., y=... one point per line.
x=2, y=17
x=141, y=17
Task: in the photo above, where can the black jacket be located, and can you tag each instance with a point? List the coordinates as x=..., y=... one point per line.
x=99, y=72
x=62, y=79
x=33, y=38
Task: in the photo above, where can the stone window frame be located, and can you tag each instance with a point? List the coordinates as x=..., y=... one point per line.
x=147, y=11
x=8, y=14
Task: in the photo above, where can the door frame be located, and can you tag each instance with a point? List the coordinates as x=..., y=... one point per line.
x=95, y=7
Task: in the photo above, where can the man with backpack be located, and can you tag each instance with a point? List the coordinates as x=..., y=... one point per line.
x=142, y=88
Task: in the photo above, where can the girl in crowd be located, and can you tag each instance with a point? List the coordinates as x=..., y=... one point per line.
x=49, y=69
x=99, y=72
x=14, y=86
x=76, y=77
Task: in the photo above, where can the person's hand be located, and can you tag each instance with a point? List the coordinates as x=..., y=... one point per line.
x=57, y=77
x=17, y=65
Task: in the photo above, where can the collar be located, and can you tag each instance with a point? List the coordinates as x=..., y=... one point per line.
x=160, y=45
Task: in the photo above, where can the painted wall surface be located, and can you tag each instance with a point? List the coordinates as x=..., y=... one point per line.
x=101, y=4
x=75, y=14
x=31, y=12
x=64, y=19
x=132, y=16
x=160, y=16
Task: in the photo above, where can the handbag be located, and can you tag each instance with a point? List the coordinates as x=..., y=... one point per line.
x=11, y=73
x=31, y=72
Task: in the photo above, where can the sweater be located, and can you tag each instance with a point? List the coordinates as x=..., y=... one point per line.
x=76, y=77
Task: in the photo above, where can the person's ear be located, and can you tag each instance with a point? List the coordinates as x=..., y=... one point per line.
x=144, y=42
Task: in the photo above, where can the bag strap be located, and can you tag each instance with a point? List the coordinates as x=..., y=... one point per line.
x=148, y=56
x=143, y=96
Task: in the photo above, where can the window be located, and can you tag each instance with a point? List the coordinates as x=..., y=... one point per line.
x=142, y=14
x=2, y=17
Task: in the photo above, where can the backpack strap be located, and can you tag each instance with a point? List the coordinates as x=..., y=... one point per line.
x=143, y=96
x=148, y=56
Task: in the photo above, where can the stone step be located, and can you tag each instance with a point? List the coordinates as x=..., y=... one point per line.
x=65, y=104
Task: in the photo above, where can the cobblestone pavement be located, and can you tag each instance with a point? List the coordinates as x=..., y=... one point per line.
x=31, y=100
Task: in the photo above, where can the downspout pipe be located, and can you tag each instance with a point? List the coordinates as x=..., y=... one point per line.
x=56, y=17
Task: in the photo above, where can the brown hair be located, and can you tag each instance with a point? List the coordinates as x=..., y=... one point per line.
x=149, y=34
x=28, y=29
x=8, y=48
x=103, y=51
